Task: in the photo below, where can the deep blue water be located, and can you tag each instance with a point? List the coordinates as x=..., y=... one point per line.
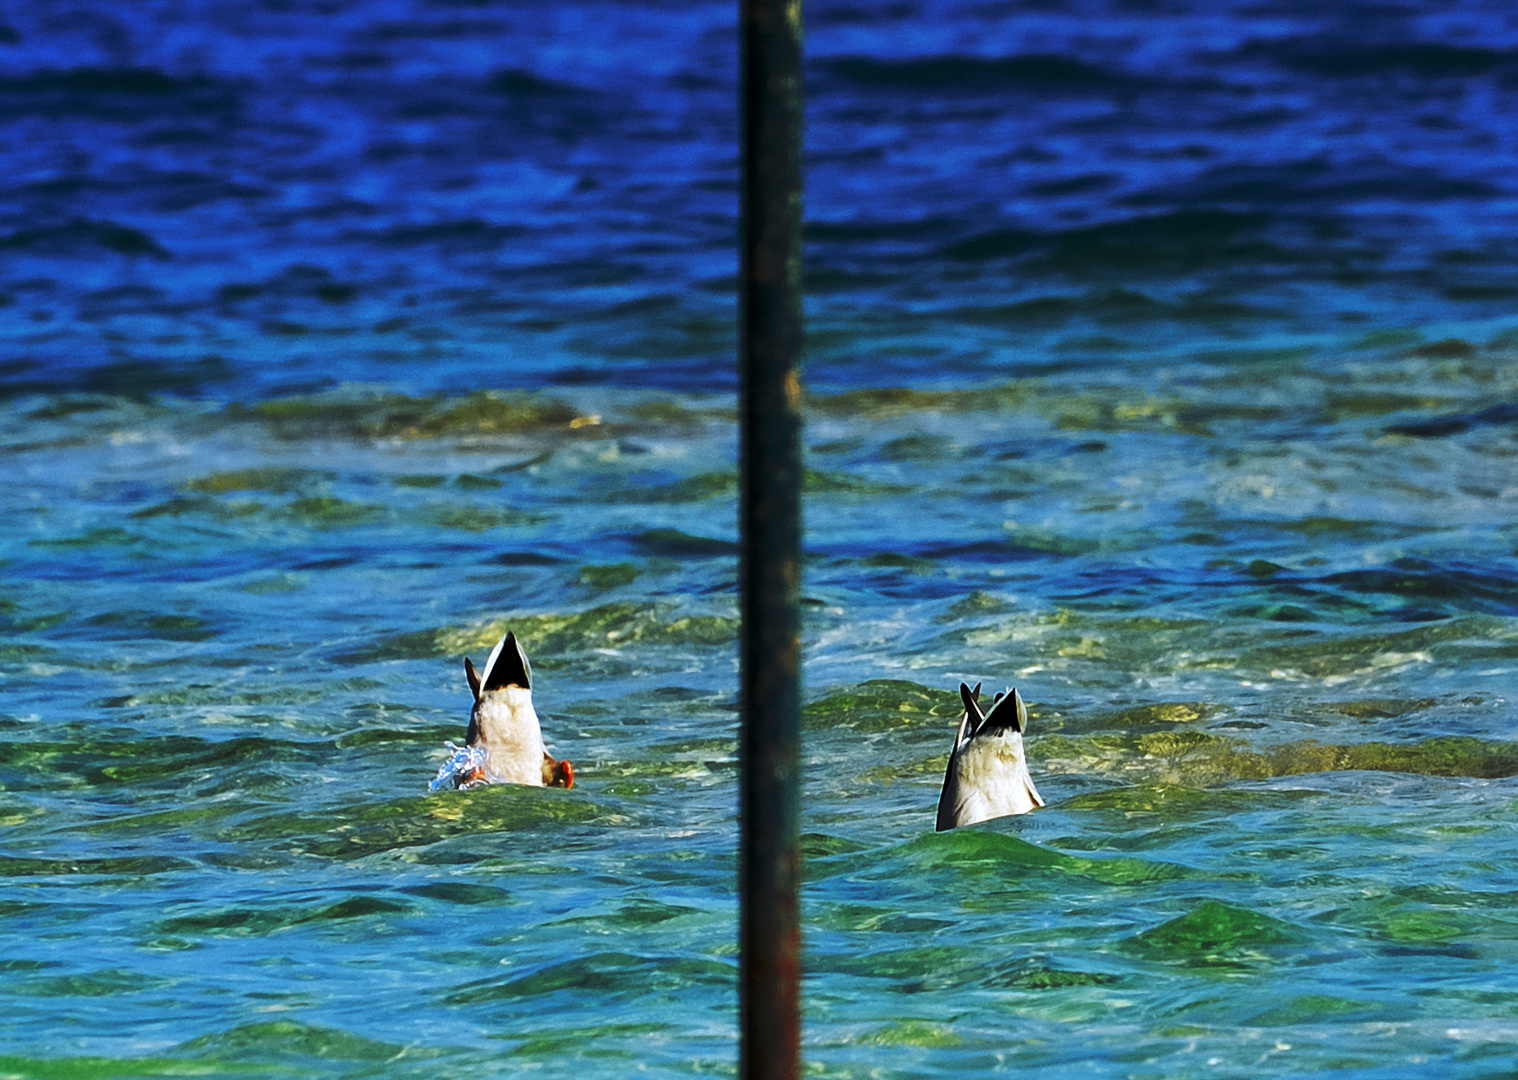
x=445, y=196
x=1162, y=360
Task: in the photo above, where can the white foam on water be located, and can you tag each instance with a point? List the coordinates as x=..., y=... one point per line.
x=465, y=761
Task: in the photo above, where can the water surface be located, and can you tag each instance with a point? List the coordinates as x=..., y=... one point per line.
x=1161, y=363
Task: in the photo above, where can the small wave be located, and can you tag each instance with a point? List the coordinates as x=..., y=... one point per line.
x=673, y=543
x=1218, y=934
x=130, y=866
x=978, y=75
x=1358, y=60
x=606, y=976
x=988, y=852
x=517, y=83
x=87, y=388
x=401, y=416
x=1502, y=415
x=263, y=919
x=1197, y=758
x=117, y=93
x=1314, y=181
x=554, y=635
x=466, y=234
x=282, y=1041
x=1177, y=241
x=364, y=828
x=1467, y=588
x=82, y=237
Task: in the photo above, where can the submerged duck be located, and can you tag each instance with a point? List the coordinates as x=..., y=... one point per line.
x=987, y=776
x=504, y=724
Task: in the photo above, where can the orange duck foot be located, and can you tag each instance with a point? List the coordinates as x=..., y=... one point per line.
x=559, y=774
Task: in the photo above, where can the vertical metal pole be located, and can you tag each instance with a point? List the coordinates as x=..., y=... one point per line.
x=769, y=572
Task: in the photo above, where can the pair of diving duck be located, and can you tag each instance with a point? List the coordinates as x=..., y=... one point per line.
x=987, y=775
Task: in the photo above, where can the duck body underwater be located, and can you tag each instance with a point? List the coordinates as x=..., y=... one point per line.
x=987, y=775
x=504, y=743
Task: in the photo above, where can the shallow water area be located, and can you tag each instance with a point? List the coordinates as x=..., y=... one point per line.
x=1161, y=363
x=1274, y=732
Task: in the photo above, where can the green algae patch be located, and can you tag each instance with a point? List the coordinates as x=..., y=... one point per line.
x=880, y=402
x=603, y=577
x=107, y=537
x=1170, y=799
x=1314, y=1009
x=985, y=851
x=360, y=830
x=1428, y=915
x=225, y=509
x=328, y=512
x=12, y=622
x=882, y=705
x=274, y=480
x=607, y=626
x=470, y=518
x=239, y=693
x=263, y=919
x=675, y=544
x=1325, y=656
x=1168, y=712
x=611, y=976
x=585, y=1041
x=891, y=560
x=1177, y=743
x=635, y=914
x=1180, y=757
x=910, y=1033
x=481, y=413
x=401, y=416
x=127, y=866
x=697, y=488
x=889, y=401
x=1451, y=755
x=1035, y=976
x=979, y=851
x=1046, y=542
x=1088, y=413
x=1382, y=708
x=815, y=845
x=152, y=625
x=291, y=1043
x=875, y=918
x=818, y=482
x=1326, y=525
x=1420, y=927
x=920, y=446
x=1217, y=934
x=918, y=968
x=466, y=893
x=1196, y=759
x=106, y=982
x=109, y=1068
x=973, y=604
x=415, y=645
x=314, y=511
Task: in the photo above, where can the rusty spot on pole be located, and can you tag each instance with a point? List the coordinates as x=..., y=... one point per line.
x=769, y=573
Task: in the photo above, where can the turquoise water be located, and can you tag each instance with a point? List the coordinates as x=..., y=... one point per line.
x=1162, y=362
x=1268, y=652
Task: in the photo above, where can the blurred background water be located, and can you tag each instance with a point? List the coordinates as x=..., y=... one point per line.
x=1161, y=362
